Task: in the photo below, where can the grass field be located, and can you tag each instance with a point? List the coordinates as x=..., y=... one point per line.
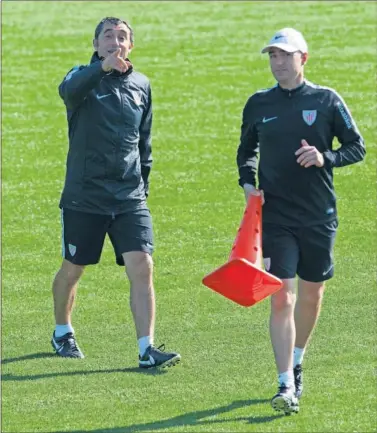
x=203, y=61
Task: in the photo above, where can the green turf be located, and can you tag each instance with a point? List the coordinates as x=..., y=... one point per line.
x=203, y=61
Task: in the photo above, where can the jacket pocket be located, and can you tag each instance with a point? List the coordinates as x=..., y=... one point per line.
x=95, y=166
x=130, y=170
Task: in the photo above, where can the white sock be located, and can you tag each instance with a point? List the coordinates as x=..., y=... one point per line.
x=144, y=342
x=287, y=378
x=298, y=356
x=60, y=330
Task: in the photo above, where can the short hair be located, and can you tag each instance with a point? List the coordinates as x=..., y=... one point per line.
x=115, y=22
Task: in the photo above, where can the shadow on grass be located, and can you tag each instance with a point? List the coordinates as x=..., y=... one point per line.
x=12, y=377
x=192, y=419
x=27, y=357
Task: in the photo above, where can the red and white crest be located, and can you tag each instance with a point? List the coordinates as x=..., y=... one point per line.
x=309, y=116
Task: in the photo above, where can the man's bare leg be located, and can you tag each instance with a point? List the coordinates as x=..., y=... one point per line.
x=64, y=292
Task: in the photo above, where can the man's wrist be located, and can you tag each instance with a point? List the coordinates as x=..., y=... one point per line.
x=105, y=68
x=248, y=186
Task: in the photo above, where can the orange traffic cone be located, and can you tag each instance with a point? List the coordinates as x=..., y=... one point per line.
x=242, y=278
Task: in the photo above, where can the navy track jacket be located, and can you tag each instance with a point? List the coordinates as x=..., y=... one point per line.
x=109, y=121
x=274, y=123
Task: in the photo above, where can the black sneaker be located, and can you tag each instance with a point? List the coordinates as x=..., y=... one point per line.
x=156, y=357
x=285, y=400
x=297, y=371
x=66, y=346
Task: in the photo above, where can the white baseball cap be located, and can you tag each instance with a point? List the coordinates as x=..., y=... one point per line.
x=289, y=40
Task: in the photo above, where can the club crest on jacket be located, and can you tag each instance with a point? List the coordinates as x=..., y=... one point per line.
x=309, y=116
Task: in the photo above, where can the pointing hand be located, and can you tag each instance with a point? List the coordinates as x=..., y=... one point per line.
x=114, y=61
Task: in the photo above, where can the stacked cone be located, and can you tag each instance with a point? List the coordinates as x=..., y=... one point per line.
x=242, y=278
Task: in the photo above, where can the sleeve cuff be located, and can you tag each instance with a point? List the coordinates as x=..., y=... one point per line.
x=329, y=158
x=242, y=181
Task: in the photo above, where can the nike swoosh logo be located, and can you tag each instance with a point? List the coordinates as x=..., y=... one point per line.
x=268, y=119
x=151, y=361
x=103, y=96
x=328, y=270
x=58, y=347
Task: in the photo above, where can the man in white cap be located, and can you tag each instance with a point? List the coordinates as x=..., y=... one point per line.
x=290, y=128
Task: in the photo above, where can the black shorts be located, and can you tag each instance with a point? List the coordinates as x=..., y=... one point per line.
x=83, y=234
x=303, y=251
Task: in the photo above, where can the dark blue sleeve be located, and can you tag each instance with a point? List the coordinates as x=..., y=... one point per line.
x=145, y=143
x=248, y=149
x=352, y=147
x=79, y=81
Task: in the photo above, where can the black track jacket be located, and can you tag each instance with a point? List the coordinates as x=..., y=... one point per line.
x=109, y=121
x=274, y=123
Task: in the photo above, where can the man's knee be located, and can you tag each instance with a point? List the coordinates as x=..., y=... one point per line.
x=311, y=293
x=70, y=272
x=285, y=298
x=139, y=265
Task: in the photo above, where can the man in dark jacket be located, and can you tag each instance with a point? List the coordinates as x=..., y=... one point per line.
x=292, y=126
x=109, y=113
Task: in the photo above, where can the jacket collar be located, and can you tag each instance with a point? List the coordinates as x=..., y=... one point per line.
x=297, y=89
